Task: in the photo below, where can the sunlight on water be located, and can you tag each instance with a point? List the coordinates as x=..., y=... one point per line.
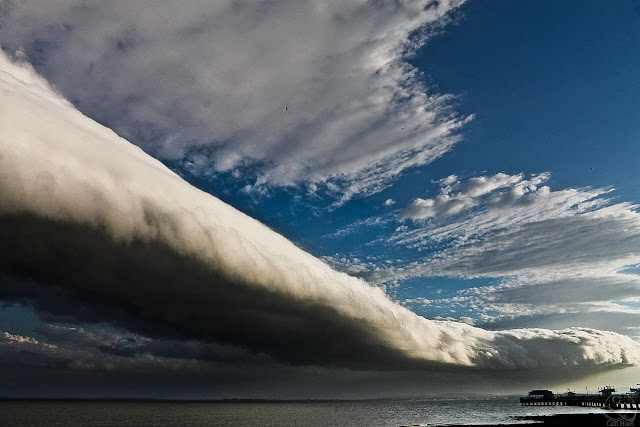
x=336, y=413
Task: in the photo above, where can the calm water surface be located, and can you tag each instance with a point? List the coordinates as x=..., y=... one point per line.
x=341, y=413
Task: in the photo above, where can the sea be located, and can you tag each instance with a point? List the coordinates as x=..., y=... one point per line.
x=387, y=412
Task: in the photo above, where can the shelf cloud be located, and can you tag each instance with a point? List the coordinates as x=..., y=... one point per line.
x=95, y=230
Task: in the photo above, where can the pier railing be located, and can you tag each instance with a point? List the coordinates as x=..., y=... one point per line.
x=612, y=401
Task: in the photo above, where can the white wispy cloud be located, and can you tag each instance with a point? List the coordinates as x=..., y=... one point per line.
x=604, y=240
x=312, y=91
x=498, y=203
x=115, y=224
x=360, y=224
x=555, y=252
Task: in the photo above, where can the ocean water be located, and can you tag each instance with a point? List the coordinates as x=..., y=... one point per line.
x=406, y=412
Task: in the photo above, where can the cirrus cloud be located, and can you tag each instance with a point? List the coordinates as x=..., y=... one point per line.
x=278, y=92
x=567, y=255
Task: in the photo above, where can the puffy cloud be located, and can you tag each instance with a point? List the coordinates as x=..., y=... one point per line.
x=85, y=214
x=509, y=202
x=456, y=197
x=527, y=347
x=12, y=340
x=314, y=91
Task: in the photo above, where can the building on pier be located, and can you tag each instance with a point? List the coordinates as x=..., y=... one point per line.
x=541, y=394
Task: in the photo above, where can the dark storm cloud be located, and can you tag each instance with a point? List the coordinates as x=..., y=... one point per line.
x=130, y=345
x=176, y=296
x=84, y=214
x=70, y=362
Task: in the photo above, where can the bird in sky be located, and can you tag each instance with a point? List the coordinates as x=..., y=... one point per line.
x=286, y=108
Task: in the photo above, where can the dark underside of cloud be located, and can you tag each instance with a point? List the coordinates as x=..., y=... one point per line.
x=76, y=273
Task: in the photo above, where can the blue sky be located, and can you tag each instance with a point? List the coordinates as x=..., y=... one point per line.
x=476, y=160
x=557, y=79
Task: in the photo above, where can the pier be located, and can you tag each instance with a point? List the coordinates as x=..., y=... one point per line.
x=605, y=398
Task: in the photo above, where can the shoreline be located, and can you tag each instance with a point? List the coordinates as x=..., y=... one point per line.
x=608, y=419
